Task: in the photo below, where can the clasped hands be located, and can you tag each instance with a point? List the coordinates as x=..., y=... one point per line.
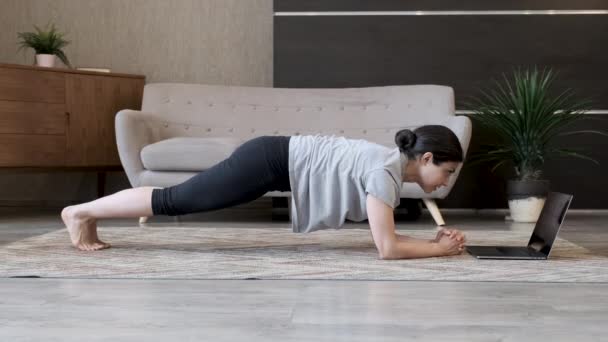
x=450, y=241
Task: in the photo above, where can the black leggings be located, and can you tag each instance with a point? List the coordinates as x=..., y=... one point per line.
x=254, y=168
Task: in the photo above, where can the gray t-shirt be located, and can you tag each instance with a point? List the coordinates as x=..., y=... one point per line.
x=330, y=177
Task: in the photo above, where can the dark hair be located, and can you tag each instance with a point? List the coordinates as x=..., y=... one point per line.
x=437, y=139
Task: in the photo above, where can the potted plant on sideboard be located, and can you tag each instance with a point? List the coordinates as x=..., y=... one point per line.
x=527, y=119
x=47, y=43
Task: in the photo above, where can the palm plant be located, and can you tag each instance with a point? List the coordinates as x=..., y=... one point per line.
x=48, y=41
x=527, y=119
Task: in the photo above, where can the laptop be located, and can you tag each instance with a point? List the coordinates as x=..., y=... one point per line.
x=542, y=239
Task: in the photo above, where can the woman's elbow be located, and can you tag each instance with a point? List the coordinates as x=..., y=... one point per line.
x=385, y=257
x=387, y=252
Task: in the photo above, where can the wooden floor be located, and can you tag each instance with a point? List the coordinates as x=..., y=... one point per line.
x=285, y=310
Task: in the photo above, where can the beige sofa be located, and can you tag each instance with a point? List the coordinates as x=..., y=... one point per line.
x=183, y=129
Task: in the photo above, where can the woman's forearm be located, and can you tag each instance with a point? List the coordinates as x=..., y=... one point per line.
x=412, y=248
x=407, y=238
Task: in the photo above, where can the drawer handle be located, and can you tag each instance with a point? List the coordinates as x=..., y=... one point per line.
x=67, y=116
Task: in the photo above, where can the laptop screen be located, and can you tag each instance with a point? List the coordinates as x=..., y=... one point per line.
x=551, y=218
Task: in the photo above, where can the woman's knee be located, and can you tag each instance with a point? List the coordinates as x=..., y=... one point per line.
x=163, y=203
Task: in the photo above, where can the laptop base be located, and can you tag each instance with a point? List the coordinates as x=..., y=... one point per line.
x=505, y=252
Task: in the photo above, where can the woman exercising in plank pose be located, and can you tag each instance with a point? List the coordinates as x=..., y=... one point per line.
x=331, y=179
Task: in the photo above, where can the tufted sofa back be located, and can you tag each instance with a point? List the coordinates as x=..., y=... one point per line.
x=373, y=113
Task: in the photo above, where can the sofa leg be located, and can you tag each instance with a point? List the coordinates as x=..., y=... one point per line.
x=434, y=210
x=143, y=219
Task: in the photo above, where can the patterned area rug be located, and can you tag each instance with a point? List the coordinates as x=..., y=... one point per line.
x=277, y=253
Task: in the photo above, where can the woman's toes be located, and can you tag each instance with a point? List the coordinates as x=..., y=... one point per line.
x=95, y=246
x=101, y=245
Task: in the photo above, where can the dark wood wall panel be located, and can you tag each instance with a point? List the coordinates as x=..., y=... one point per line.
x=462, y=51
x=412, y=5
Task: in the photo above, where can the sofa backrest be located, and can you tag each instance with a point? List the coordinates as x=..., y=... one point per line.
x=372, y=113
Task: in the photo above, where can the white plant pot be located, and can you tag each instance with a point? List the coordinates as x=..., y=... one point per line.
x=45, y=60
x=527, y=199
x=526, y=210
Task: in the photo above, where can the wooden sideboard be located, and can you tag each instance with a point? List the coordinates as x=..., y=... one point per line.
x=58, y=118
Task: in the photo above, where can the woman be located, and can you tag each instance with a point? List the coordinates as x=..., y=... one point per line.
x=331, y=179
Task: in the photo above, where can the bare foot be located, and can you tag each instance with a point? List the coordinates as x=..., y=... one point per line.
x=83, y=230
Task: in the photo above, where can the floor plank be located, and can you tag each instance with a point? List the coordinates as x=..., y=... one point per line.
x=287, y=310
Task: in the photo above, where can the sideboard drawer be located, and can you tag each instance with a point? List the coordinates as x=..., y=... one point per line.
x=62, y=118
x=32, y=85
x=32, y=118
x=27, y=150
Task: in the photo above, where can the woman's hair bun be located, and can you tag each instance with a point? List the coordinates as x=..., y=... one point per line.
x=405, y=139
x=437, y=139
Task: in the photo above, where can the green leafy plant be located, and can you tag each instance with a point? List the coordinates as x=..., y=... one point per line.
x=47, y=41
x=527, y=119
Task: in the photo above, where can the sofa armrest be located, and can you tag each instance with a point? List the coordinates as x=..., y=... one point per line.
x=133, y=132
x=461, y=126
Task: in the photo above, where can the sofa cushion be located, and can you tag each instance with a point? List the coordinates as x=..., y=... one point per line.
x=187, y=153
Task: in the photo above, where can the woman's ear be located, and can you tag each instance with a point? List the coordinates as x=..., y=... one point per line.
x=426, y=158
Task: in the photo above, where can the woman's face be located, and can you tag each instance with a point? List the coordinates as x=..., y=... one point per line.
x=434, y=176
